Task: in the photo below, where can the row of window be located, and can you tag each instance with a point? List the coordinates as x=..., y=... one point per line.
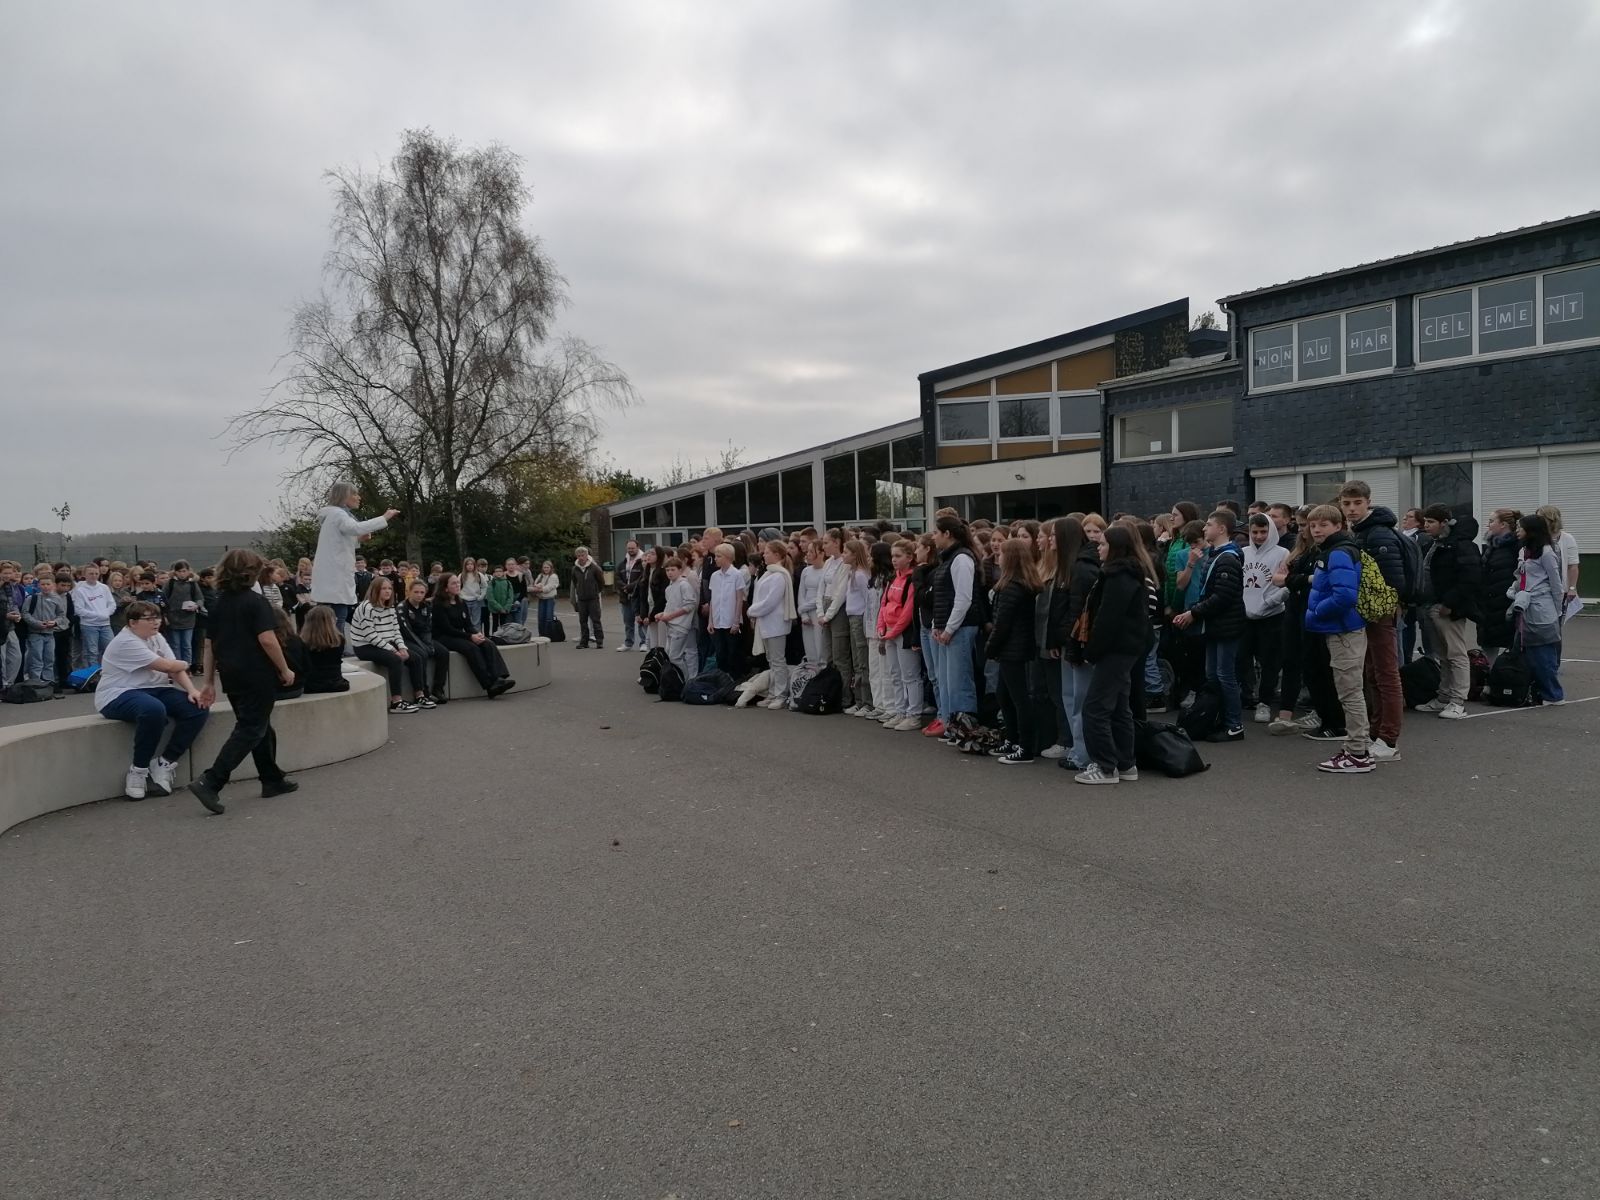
x=883, y=482
x=1069, y=416
x=1164, y=432
x=1504, y=316
x=1030, y=504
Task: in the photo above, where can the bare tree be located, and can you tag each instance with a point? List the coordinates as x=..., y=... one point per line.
x=429, y=361
x=681, y=470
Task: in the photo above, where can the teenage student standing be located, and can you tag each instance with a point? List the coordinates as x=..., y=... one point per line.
x=855, y=613
x=1331, y=612
x=773, y=611
x=1219, y=615
x=1537, y=597
x=1501, y=550
x=94, y=605
x=957, y=617
x=181, y=601
x=1261, y=651
x=546, y=588
x=878, y=576
x=1453, y=574
x=1120, y=634
x=1013, y=646
x=682, y=603
x=1373, y=528
x=899, y=637
x=729, y=586
x=629, y=574
x=831, y=599
x=588, y=582
x=1078, y=555
x=813, y=633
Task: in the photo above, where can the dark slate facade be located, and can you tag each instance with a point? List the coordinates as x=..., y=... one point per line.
x=1152, y=486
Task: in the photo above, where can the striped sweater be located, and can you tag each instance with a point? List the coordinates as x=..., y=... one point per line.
x=370, y=626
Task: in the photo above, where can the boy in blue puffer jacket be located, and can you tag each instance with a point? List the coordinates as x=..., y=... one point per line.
x=1331, y=611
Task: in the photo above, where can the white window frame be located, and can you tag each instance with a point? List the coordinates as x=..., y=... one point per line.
x=1058, y=434
x=1342, y=375
x=987, y=440
x=1172, y=440
x=1540, y=346
x=1053, y=397
x=1049, y=434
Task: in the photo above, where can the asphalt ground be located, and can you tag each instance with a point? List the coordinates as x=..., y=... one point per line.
x=575, y=943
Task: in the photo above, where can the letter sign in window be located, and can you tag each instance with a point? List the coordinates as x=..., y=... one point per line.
x=1369, y=339
x=1319, y=343
x=1272, y=356
x=1572, y=305
x=1505, y=316
x=1444, y=326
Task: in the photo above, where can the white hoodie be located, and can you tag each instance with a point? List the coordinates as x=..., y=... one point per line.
x=1262, y=597
x=93, y=603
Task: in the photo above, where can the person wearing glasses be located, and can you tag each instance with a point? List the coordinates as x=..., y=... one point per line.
x=144, y=683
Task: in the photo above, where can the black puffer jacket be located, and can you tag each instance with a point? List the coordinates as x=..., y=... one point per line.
x=1119, y=612
x=1012, y=638
x=1081, y=579
x=1457, y=571
x=1220, y=609
x=1498, y=571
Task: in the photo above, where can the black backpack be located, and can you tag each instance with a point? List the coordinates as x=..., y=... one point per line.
x=671, y=686
x=1419, y=681
x=1477, y=673
x=29, y=691
x=1166, y=748
x=1510, y=682
x=650, y=671
x=1205, y=715
x=712, y=687
x=1411, y=557
x=554, y=630
x=823, y=694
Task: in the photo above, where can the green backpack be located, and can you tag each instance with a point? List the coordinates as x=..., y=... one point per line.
x=1375, y=599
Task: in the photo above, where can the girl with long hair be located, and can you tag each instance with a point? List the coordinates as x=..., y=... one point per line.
x=772, y=613
x=474, y=590
x=1013, y=646
x=454, y=629
x=1079, y=564
x=324, y=650
x=1119, y=635
x=375, y=636
x=1537, y=597
x=855, y=611
x=882, y=682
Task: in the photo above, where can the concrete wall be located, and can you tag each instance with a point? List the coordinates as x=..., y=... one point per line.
x=528, y=663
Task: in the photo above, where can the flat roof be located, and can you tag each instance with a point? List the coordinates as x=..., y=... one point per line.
x=1205, y=364
x=1059, y=342
x=1449, y=247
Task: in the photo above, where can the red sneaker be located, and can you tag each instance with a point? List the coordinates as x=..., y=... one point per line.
x=934, y=730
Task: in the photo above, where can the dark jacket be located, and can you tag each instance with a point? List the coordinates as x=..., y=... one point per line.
x=587, y=582
x=924, y=596
x=416, y=628
x=1220, y=609
x=452, y=620
x=1119, y=612
x=1376, y=534
x=1331, y=607
x=628, y=576
x=1298, y=583
x=173, y=597
x=1012, y=638
x=1080, y=582
x=1456, y=570
x=944, y=591
x=324, y=671
x=1496, y=575
x=653, y=593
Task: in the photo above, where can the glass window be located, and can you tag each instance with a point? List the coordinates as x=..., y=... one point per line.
x=980, y=507
x=1205, y=427
x=1319, y=343
x=1144, y=434
x=731, y=508
x=910, y=503
x=1080, y=415
x=872, y=483
x=626, y=520
x=691, y=511
x=964, y=422
x=1019, y=506
x=1505, y=316
x=1444, y=326
x=1025, y=418
x=839, y=488
x=1369, y=339
x=797, y=506
x=658, y=516
x=908, y=453
x=1322, y=487
x=1449, y=484
x=764, y=501
x=1272, y=356
x=1572, y=305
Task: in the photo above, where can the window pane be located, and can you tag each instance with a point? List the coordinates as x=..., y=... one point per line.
x=1505, y=316
x=691, y=511
x=872, y=482
x=1025, y=418
x=1019, y=506
x=1448, y=483
x=797, y=508
x=909, y=496
x=908, y=453
x=839, y=488
x=730, y=508
x=1319, y=342
x=1322, y=487
x=1272, y=356
x=1080, y=415
x=763, y=501
x=1205, y=427
x=626, y=520
x=980, y=507
x=1144, y=434
x=964, y=422
x=658, y=516
x=1369, y=339
x=1572, y=305
x=1444, y=326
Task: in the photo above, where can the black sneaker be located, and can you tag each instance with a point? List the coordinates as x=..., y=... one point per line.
x=1226, y=735
x=282, y=788
x=1003, y=749
x=1325, y=734
x=426, y=702
x=581, y=646
x=1016, y=756
x=206, y=794
x=1155, y=704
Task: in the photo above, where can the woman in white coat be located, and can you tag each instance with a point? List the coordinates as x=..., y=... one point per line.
x=333, y=571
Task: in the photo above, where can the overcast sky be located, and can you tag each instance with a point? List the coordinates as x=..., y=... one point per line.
x=772, y=216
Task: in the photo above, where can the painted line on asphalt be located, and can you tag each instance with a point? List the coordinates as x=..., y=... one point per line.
x=1500, y=712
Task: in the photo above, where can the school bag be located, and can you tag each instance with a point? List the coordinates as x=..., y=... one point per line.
x=29, y=691
x=1477, y=673
x=1375, y=599
x=512, y=633
x=1166, y=748
x=650, y=671
x=711, y=687
x=1411, y=558
x=798, y=678
x=671, y=685
x=1419, y=681
x=823, y=693
x=1510, y=682
x=1205, y=715
x=84, y=679
x=554, y=630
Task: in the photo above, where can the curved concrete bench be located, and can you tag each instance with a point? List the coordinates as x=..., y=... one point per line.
x=529, y=664
x=51, y=765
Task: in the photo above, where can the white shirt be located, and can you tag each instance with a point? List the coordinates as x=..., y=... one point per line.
x=727, y=585
x=1567, y=549
x=333, y=570
x=125, y=666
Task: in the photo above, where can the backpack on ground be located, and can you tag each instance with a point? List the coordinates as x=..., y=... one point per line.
x=1510, y=682
x=1159, y=746
x=823, y=693
x=971, y=736
x=29, y=691
x=672, y=683
x=650, y=671
x=1477, y=673
x=1419, y=681
x=799, y=676
x=1410, y=592
x=84, y=679
x=711, y=687
x=1204, y=716
x=1375, y=599
x=512, y=633
x=554, y=630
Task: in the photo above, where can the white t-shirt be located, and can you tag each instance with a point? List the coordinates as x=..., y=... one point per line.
x=726, y=586
x=1567, y=548
x=125, y=666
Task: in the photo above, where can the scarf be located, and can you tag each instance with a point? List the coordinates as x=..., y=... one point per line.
x=789, y=610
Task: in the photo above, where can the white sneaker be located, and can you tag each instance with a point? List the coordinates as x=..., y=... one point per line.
x=133, y=786
x=1056, y=751
x=1309, y=721
x=643, y=649
x=1093, y=774
x=1381, y=751
x=892, y=719
x=1453, y=712
x=623, y=649
x=906, y=724
x=776, y=702
x=1432, y=706
x=1263, y=714
x=161, y=776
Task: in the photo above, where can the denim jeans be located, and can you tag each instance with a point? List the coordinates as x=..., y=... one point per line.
x=475, y=611
x=547, y=613
x=930, y=663
x=1075, y=679
x=1222, y=662
x=958, y=691
x=148, y=710
x=1545, y=663
x=629, y=621
x=41, y=657
x=182, y=643
x=1152, y=672
x=95, y=640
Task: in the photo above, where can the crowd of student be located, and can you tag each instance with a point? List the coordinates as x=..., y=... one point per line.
x=1076, y=629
